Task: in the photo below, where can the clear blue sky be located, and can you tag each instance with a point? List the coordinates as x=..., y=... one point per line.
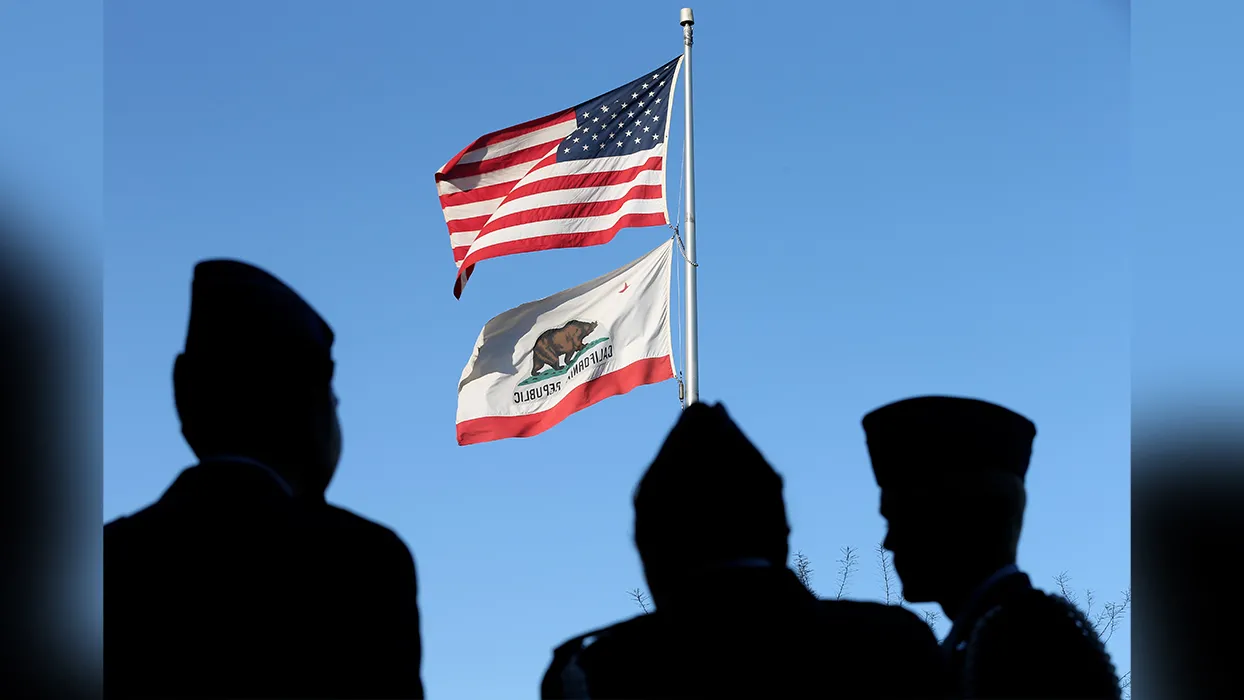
x=893, y=199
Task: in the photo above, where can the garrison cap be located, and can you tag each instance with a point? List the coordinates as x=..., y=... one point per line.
x=709, y=490
x=241, y=315
x=928, y=438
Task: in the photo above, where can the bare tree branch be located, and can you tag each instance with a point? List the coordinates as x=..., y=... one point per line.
x=1125, y=684
x=1108, y=619
x=887, y=574
x=641, y=599
x=846, y=566
x=1111, y=616
x=1064, y=587
x=931, y=617
x=803, y=571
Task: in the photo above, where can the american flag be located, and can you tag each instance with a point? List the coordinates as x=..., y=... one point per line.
x=569, y=180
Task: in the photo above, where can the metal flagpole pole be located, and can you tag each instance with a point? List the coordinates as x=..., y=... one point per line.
x=691, y=364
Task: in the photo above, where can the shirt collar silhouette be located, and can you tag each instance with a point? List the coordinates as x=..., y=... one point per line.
x=957, y=626
x=238, y=459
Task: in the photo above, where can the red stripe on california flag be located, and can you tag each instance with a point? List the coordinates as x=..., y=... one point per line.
x=648, y=371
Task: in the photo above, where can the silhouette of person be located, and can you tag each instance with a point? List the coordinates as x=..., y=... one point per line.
x=731, y=619
x=241, y=581
x=951, y=472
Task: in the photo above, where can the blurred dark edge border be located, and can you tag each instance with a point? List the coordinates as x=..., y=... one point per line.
x=1187, y=500
x=51, y=154
x=1187, y=349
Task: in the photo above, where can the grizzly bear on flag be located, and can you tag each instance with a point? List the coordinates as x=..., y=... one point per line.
x=556, y=342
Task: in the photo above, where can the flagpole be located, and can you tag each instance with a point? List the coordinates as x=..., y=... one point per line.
x=691, y=367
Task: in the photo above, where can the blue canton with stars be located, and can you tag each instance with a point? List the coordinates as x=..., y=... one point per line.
x=627, y=120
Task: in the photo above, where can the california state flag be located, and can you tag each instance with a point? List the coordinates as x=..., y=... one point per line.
x=538, y=363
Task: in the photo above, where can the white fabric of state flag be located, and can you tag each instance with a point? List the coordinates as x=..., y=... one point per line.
x=535, y=365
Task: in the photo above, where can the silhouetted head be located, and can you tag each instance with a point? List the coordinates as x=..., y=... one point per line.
x=255, y=379
x=951, y=472
x=708, y=500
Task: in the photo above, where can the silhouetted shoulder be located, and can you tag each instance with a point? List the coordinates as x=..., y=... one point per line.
x=115, y=534
x=889, y=641
x=1041, y=643
x=127, y=528
x=127, y=523
x=894, y=619
x=120, y=525
x=629, y=635
x=365, y=544
x=888, y=625
x=598, y=655
x=348, y=521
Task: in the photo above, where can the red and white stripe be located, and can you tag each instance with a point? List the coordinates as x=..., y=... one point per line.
x=506, y=194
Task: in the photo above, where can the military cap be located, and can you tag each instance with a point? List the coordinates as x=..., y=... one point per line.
x=932, y=437
x=241, y=314
x=709, y=487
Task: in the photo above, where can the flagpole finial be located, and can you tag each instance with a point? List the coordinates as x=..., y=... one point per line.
x=686, y=17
